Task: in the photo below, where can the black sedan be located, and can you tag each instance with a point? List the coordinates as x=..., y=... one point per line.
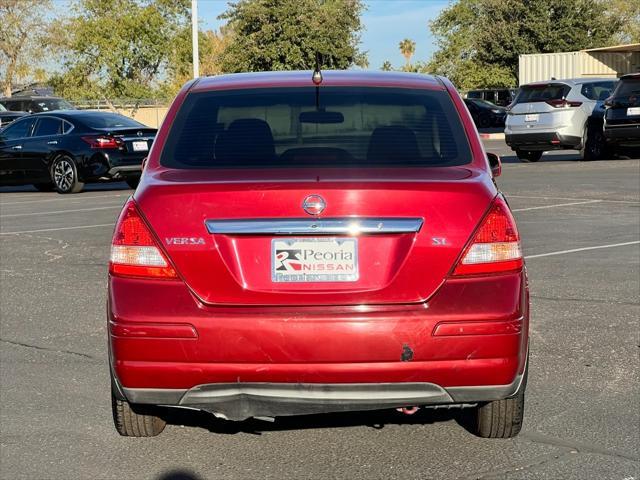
x=63, y=150
x=485, y=114
x=6, y=116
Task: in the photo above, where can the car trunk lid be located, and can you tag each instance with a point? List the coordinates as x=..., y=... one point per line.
x=400, y=231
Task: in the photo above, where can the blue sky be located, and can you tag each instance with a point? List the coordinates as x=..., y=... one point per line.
x=387, y=22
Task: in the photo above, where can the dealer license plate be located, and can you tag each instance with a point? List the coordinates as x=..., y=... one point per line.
x=531, y=117
x=314, y=259
x=140, y=146
x=633, y=111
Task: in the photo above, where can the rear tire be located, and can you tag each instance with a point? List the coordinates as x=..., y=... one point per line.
x=593, y=144
x=528, y=156
x=65, y=175
x=501, y=418
x=135, y=421
x=133, y=182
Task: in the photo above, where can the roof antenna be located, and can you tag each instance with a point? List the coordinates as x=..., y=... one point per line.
x=316, y=78
x=317, y=75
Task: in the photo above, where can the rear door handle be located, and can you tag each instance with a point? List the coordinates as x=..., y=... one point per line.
x=16, y=147
x=52, y=142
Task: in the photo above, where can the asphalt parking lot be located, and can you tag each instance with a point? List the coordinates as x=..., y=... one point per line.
x=580, y=223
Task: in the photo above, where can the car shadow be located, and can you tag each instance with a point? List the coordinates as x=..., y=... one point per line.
x=375, y=419
x=91, y=187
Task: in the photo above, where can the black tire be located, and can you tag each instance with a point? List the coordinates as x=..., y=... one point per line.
x=485, y=122
x=594, y=145
x=527, y=156
x=44, y=187
x=501, y=418
x=133, y=182
x=65, y=175
x=135, y=421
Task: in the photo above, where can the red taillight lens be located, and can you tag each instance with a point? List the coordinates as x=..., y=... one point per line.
x=562, y=103
x=134, y=251
x=103, y=141
x=495, y=246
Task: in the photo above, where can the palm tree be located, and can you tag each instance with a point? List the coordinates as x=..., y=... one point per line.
x=407, y=48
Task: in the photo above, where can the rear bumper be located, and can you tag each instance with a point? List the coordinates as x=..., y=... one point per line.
x=544, y=141
x=623, y=135
x=466, y=344
x=234, y=401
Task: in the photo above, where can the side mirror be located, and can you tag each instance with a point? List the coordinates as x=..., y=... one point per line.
x=608, y=102
x=495, y=163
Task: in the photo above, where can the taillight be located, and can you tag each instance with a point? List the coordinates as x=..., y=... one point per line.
x=103, y=141
x=562, y=103
x=134, y=250
x=495, y=245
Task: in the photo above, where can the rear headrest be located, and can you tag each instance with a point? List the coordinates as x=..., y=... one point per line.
x=392, y=143
x=246, y=139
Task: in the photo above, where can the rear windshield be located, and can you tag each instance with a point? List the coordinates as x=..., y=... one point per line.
x=627, y=88
x=109, y=120
x=542, y=93
x=333, y=126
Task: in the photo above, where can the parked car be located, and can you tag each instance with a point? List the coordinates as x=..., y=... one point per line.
x=302, y=246
x=66, y=149
x=498, y=96
x=558, y=115
x=485, y=114
x=35, y=104
x=622, y=116
x=6, y=117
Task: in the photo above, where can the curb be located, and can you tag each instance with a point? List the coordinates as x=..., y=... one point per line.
x=492, y=136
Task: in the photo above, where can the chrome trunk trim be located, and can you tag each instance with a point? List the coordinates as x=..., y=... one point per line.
x=305, y=226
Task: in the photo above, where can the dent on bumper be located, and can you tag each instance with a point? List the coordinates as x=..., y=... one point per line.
x=239, y=401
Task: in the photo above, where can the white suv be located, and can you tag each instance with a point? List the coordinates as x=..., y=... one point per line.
x=558, y=115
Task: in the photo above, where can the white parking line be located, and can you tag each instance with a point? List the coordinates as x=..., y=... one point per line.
x=59, y=228
x=556, y=205
x=110, y=207
x=570, y=198
x=63, y=199
x=573, y=250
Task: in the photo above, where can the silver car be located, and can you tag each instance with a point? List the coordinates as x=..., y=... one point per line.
x=558, y=115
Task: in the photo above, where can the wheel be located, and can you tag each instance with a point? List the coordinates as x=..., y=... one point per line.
x=593, y=144
x=44, y=187
x=133, y=182
x=65, y=175
x=484, y=122
x=135, y=421
x=525, y=156
x=501, y=418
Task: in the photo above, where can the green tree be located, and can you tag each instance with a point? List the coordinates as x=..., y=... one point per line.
x=120, y=48
x=480, y=40
x=386, y=66
x=407, y=49
x=287, y=34
x=23, y=35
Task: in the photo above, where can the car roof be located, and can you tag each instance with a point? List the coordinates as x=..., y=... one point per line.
x=330, y=78
x=630, y=76
x=29, y=97
x=571, y=81
x=80, y=114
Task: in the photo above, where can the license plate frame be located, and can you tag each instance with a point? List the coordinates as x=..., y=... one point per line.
x=140, y=146
x=344, y=269
x=633, y=111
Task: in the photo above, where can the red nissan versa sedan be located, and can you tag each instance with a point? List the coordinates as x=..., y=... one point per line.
x=302, y=246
